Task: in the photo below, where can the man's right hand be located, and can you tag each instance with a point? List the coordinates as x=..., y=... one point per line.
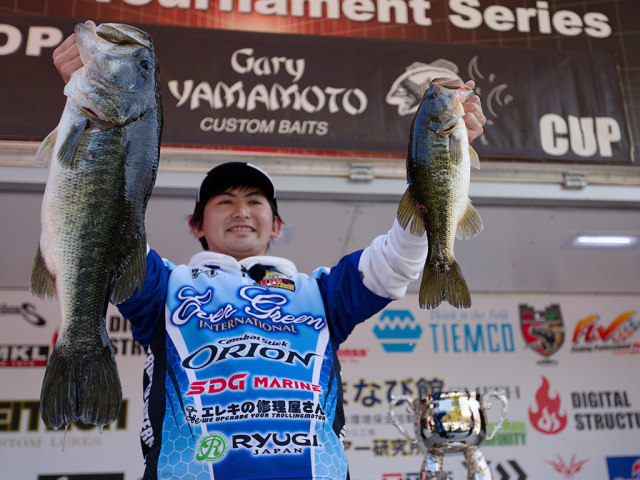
x=66, y=57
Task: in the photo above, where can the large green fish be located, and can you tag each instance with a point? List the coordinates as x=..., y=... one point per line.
x=437, y=199
x=102, y=159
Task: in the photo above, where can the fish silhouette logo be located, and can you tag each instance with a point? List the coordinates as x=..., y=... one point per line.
x=407, y=90
x=398, y=331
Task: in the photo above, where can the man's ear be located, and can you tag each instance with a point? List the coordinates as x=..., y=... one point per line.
x=277, y=225
x=196, y=230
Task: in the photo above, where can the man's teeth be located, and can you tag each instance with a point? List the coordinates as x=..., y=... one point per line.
x=241, y=229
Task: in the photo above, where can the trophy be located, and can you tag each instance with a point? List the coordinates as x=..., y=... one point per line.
x=450, y=422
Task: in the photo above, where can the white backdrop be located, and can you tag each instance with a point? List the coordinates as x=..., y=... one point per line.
x=572, y=414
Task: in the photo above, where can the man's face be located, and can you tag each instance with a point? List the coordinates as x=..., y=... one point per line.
x=238, y=222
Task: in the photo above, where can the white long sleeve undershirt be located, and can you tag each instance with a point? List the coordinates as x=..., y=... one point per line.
x=392, y=261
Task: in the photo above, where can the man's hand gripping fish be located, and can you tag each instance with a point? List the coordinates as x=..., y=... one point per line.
x=437, y=198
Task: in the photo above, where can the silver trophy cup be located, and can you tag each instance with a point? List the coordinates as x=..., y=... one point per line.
x=449, y=422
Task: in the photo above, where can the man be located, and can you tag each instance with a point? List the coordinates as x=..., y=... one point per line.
x=242, y=379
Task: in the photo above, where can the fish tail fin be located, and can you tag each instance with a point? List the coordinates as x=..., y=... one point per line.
x=133, y=275
x=99, y=389
x=78, y=386
x=41, y=282
x=59, y=395
x=449, y=285
x=406, y=212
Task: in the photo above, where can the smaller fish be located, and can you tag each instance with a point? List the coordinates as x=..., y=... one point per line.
x=437, y=198
x=408, y=89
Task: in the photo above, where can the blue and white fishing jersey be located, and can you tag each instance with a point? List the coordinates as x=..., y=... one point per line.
x=250, y=382
x=242, y=379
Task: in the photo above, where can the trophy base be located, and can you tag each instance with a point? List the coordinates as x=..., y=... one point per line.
x=477, y=466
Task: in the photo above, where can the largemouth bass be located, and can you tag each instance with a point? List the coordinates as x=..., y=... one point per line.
x=437, y=198
x=102, y=159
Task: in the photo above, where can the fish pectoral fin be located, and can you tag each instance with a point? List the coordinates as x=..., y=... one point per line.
x=41, y=283
x=71, y=143
x=470, y=224
x=455, y=149
x=473, y=157
x=45, y=151
x=406, y=212
x=125, y=285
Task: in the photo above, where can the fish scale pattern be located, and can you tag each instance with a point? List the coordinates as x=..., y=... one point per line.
x=178, y=450
x=331, y=461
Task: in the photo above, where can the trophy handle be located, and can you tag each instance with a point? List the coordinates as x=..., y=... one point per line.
x=505, y=408
x=395, y=400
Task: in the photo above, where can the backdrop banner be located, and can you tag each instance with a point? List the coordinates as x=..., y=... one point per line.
x=572, y=413
x=264, y=90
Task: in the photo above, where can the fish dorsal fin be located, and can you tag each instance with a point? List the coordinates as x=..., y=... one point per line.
x=45, y=152
x=125, y=285
x=470, y=224
x=71, y=143
x=406, y=212
x=473, y=157
x=455, y=149
x=446, y=64
x=41, y=282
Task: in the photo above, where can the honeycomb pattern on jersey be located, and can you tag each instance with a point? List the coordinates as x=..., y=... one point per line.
x=331, y=460
x=179, y=449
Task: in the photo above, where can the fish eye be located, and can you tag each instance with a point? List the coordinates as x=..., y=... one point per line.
x=431, y=95
x=145, y=64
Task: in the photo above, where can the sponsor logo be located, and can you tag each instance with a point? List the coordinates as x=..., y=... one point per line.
x=217, y=385
x=26, y=310
x=238, y=382
x=262, y=307
x=277, y=280
x=407, y=90
x=208, y=354
x=274, y=443
x=403, y=336
x=511, y=434
x=612, y=420
x=209, y=272
x=352, y=354
x=24, y=355
x=567, y=469
x=467, y=336
x=83, y=476
x=281, y=409
x=593, y=335
x=24, y=416
x=545, y=415
x=543, y=330
x=212, y=448
x=623, y=468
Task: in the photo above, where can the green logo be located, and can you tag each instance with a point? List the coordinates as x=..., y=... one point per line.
x=212, y=448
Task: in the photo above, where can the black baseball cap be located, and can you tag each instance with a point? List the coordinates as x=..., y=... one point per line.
x=236, y=174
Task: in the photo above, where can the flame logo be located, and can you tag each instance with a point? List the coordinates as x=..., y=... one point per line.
x=546, y=417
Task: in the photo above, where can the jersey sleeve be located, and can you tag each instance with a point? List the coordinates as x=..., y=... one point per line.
x=392, y=261
x=144, y=308
x=347, y=300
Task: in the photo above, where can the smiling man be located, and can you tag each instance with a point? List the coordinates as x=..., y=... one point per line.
x=242, y=380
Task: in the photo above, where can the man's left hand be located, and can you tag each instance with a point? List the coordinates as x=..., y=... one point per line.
x=473, y=117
